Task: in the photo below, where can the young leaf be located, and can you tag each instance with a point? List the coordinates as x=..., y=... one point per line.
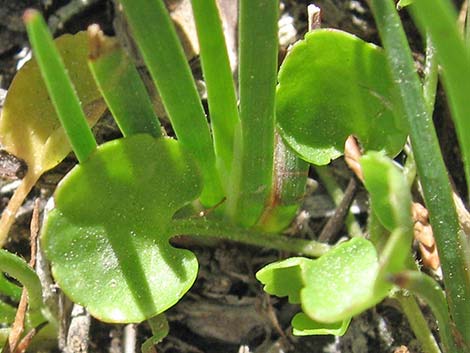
x=285, y=278
x=333, y=85
x=391, y=204
x=340, y=284
x=331, y=289
x=108, y=237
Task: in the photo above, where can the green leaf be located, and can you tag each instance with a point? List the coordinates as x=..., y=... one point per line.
x=388, y=190
x=391, y=203
x=221, y=94
x=332, y=85
x=305, y=326
x=108, y=237
x=331, y=289
x=284, y=278
x=121, y=85
x=341, y=283
x=39, y=139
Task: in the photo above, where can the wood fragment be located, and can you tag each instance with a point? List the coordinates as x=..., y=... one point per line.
x=424, y=236
x=352, y=155
x=78, y=333
x=336, y=222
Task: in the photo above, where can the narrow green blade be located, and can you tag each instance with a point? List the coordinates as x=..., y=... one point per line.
x=162, y=52
x=59, y=86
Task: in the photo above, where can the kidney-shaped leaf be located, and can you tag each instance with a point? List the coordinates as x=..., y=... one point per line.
x=29, y=126
x=331, y=289
x=107, y=238
x=285, y=278
x=332, y=85
x=341, y=283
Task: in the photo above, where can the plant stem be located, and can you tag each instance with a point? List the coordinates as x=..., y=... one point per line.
x=208, y=228
x=450, y=240
x=59, y=86
x=19, y=269
x=328, y=180
x=417, y=322
x=287, y=189
x=9, y=213
x=159, y=326
x=429, y=290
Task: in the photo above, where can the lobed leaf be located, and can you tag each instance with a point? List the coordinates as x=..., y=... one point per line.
x=331, y=289
x=107, y=238
x=333, y=85
x=284, y=278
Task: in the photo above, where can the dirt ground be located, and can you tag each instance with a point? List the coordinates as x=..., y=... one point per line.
x=226, y=310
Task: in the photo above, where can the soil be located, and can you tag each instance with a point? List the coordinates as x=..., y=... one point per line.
x=226, y=310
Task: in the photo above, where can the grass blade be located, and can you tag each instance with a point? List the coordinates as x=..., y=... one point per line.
x=121, y=86
x=162, y=52
x=218, y=77
x=431, y=169
x=59, y=86
x=257, y=73
x=427, y=289
x=439, y=19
